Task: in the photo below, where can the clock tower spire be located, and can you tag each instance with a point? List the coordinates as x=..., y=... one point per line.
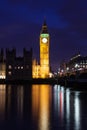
x=44, y=27
x=44, y=51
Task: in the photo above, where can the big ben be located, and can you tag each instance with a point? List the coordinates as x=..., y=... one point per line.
x=44, y=51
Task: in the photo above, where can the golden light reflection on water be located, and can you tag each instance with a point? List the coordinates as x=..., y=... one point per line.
x=2, y=101
x=8, y=100
x=20, y=95
x=35, y=100
x=41, y=102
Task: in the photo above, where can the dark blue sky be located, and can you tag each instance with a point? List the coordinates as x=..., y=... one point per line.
x=21, y=22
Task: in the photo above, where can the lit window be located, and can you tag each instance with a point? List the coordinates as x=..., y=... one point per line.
x=18, y=67
x=21, y=67
x=9, y=73
x=2, y=77
x=10, y=67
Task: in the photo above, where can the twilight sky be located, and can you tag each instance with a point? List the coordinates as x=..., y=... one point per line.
x=21, y=22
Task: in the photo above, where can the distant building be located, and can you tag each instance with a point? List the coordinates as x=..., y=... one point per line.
x=77, y=63
x=18, y=67
x=2, y=65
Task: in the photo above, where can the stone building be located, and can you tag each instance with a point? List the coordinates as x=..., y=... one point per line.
x=2, y=65
x=18, y=67
x=42, y=70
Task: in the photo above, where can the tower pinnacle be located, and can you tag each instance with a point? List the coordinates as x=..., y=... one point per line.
x=44, y=27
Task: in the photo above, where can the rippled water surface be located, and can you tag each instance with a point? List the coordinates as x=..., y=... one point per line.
x=42, y=107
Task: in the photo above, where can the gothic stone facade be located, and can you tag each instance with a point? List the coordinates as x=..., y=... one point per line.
x=18, y=67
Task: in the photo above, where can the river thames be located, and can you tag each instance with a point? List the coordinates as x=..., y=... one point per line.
x=42, y=107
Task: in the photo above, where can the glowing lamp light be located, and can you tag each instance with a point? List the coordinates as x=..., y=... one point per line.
x=50, y=75
x=76, y=65
x=67, y=68
x=2, y=77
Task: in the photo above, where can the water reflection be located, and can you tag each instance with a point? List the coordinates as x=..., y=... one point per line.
x=35, y=101
x=68, y=108
x=8, y=101
x=67, y=104
x=42, y=107
x=20, y=96
x=77, y=111
x=41, y=103
x=2, y=101
x=14, y=101
x=59, y=100
x=62, y=103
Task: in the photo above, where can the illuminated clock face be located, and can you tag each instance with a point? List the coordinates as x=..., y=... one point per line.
x=44, y=40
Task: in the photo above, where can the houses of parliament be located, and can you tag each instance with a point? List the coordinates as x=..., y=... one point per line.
x=25, y=67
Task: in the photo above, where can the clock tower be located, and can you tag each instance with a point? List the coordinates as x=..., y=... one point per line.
x=44, y=52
